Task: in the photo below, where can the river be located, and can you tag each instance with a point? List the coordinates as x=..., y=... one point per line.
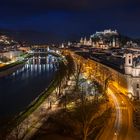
x=20, y=88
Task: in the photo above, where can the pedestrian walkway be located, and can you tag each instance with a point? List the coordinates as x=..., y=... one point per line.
x=28, y=127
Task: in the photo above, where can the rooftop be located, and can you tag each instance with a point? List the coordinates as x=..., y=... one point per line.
x=113, y=62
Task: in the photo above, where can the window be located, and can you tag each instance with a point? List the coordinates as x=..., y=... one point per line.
x=137, y=95
x=129, y=61
x=138, y=86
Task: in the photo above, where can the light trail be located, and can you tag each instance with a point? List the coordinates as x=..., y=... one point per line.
x=118, y=119
x=120, y=125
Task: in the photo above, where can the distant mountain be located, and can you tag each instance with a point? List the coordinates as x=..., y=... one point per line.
x=36, y=37
x=32, y=37
x=6, y=40
x=125, y=39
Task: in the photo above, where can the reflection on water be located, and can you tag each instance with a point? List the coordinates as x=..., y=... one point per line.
x=24, y=85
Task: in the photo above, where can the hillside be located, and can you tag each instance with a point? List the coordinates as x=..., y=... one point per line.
x=108, y=37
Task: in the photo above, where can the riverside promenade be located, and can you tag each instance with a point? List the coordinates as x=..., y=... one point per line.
x=47, y=103
x=28, y=127
x=48, y=107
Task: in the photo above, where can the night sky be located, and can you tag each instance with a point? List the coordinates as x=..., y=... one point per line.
x=62, y=20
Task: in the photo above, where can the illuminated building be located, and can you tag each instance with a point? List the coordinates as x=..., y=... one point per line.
x=12, y=54
x=103, y=40
x=132, y=70
x=126, y=79
x=105, y=32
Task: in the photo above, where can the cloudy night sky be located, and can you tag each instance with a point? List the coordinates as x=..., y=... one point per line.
x=63, y=20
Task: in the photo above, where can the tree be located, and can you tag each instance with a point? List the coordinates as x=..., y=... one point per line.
x=61, y=76
x=84, y=114
x=106, y=78
x=75, y=68
x=77, y=74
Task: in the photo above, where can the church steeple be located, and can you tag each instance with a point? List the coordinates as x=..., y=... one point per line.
x=85, y=41
x=114, y=42
x=81, y=40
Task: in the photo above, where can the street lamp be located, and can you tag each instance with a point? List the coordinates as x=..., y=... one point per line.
x=130, y=95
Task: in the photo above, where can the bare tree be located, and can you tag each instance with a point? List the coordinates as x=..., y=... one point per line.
x=106, y=78
x=77, y=73
x=75, y=68
x=85, y=114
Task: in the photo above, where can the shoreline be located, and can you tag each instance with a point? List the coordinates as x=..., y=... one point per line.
x=36, y=102
x=21, y=118
x=10, y=70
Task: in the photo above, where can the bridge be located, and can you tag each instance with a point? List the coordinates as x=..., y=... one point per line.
x=43, y=50
x=40, y=53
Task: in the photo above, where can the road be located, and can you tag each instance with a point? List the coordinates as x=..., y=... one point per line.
x=120, y=125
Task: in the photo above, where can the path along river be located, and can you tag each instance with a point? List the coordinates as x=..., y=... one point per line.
x=20, y=88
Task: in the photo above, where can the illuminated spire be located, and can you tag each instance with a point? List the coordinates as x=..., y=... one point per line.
x=81, y=40
x=85, y=41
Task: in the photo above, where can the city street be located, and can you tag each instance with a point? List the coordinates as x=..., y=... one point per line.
x=120, y=124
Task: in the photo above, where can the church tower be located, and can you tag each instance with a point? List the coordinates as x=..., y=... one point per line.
x=62, y=46
x=85, y=41
x=114, y=42
x=90, y=41
x=81, y=41
x=128, y=63
x=129, y=60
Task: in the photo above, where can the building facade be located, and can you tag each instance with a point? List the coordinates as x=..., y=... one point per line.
x=132, y=70
x=127, y=83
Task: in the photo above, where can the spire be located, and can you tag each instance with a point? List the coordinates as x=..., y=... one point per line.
x=114, y=42
x=62, y=45
x=81, y=40
x=85, y=41
x=90, y=41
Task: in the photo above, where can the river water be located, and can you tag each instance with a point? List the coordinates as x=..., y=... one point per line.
x=20, y=88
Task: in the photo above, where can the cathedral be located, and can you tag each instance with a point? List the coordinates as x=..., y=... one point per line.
x=100, y=44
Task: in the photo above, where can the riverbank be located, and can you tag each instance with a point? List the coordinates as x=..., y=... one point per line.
x=35, y=105
x=8, y=69
x=65, y=121
x=12, y=67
